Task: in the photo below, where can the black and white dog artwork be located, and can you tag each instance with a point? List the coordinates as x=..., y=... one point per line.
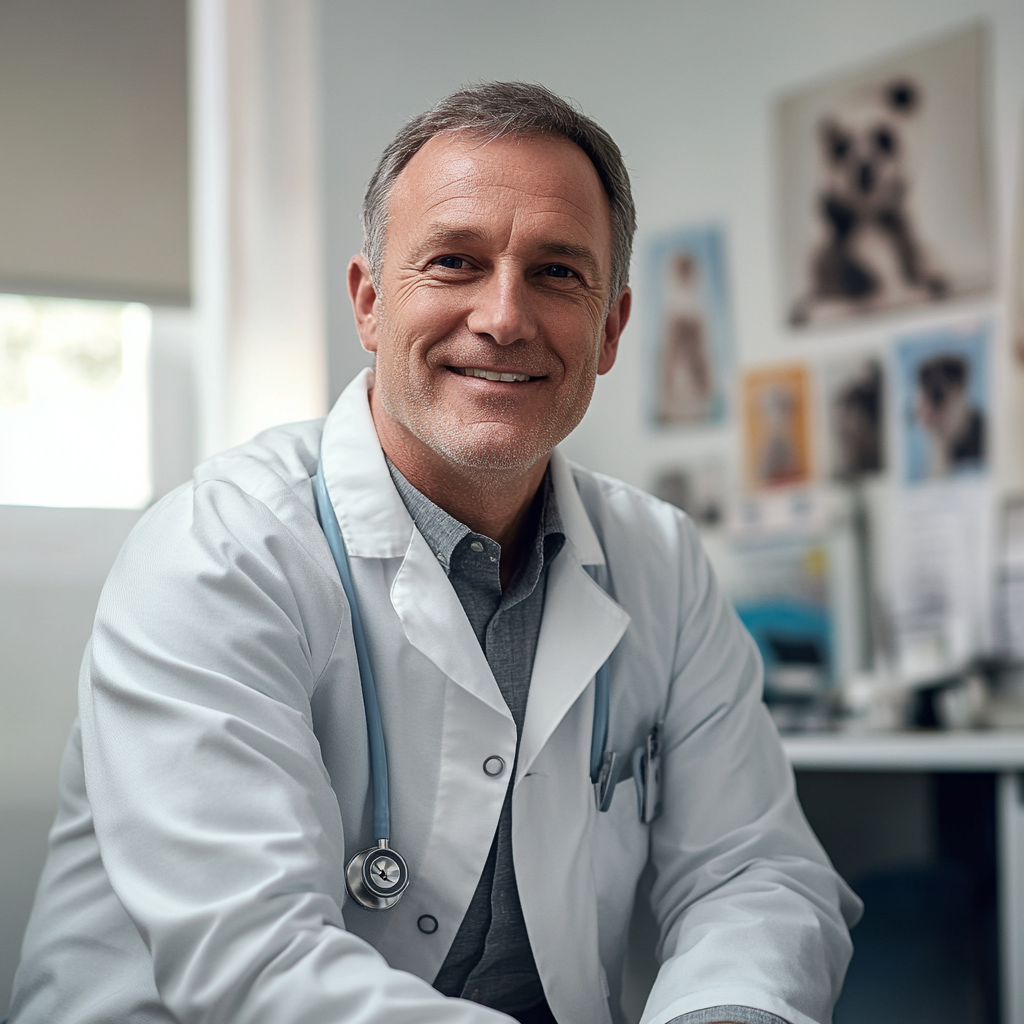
x=869, y=253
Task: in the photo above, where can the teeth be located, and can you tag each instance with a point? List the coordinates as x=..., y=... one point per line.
x=508, y=378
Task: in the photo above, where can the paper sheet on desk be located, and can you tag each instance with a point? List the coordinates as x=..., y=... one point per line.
x=942, y=600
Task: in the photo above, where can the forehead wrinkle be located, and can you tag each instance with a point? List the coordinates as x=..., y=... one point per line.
x=559, y=207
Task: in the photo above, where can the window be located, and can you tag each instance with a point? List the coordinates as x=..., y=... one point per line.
x=74, y=403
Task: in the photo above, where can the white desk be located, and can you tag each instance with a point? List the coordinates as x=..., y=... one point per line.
x=1001, y=752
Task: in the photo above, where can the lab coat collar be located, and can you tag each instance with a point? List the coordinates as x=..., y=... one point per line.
x=373, y=518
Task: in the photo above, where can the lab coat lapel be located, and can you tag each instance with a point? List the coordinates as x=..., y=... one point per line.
x=436, y=624
x=581, y=626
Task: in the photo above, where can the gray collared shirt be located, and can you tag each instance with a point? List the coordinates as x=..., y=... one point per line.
x=490, y=960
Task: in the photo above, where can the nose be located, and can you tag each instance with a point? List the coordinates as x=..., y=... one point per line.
x=501, y=308
x=866, y=178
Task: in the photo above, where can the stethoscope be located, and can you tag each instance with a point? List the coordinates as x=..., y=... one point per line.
x=377, y=877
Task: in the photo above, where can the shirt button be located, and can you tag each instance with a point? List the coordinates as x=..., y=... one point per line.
x=494, y=766
x=427, y=924
x=477, y=546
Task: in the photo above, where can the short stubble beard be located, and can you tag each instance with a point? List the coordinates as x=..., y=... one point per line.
x=458, y=445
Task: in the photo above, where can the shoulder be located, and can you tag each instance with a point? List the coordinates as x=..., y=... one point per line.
x=275, y=467
x=653, y=551
x=255, y=498
x=626, y=515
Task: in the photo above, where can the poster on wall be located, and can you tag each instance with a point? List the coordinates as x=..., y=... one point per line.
x=777, y=425
x=855, y=410
x=700, y=489
x=690, y=347
x=943, y=401
x=942, y=556
x=883, y=185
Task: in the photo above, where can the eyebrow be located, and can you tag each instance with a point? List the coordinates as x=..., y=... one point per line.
x=442, y=236
x=580, y=253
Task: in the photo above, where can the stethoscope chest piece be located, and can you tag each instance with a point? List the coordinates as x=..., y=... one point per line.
x=377, y=877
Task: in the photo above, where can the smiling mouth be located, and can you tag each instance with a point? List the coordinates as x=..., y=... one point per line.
x=506, y=378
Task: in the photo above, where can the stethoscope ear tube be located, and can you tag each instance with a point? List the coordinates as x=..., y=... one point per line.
x=375, y=878
x=374, y=726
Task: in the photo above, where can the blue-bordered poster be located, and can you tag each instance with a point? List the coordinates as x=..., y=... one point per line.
x=943, y=398
x=690, y=342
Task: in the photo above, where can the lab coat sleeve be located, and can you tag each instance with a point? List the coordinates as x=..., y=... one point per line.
x=215, y=817
x=750, y=911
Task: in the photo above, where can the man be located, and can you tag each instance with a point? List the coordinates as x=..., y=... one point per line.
x=219, y=781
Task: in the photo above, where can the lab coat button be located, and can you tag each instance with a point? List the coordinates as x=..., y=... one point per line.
x=427, y=924
x=494, y=766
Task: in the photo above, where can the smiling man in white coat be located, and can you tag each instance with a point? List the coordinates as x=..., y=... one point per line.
x=564, y=696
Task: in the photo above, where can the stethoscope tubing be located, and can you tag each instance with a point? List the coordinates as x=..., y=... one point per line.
x=374, y=724
x=602, y=703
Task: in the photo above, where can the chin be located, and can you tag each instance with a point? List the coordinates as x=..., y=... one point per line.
x=471, y=454
x=493, y=446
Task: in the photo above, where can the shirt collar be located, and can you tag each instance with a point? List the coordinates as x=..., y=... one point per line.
x=443, y=533
x=374, y=520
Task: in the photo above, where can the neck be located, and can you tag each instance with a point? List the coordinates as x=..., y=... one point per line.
x=491, y=502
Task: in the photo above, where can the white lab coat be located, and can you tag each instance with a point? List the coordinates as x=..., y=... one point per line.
x=219, y=779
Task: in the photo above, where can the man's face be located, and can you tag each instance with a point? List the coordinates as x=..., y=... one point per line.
x=497, y=265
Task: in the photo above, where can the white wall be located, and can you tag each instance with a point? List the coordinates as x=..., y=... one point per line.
x=686, y=89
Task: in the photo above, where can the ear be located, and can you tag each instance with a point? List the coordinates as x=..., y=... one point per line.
x=363, y=293
x=614, y=322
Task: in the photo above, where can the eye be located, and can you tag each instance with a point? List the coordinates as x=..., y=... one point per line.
x=885, y=141
x=451, y=263
x=557, y=270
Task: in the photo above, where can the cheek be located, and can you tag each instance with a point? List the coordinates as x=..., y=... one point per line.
x=578, y=345
x=423, y=311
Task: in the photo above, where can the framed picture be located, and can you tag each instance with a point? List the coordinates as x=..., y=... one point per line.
x=883, y=185
x=690, y=345
x=855, y=411
x=776, y=414
x=943, y=399
x=700, y=489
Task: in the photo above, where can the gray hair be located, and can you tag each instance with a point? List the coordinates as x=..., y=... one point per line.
x=494, y=110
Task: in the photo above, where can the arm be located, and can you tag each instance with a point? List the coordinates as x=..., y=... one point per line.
x=750, y=912
x=217, y=823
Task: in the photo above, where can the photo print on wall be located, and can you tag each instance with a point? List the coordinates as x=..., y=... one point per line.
x=883, y=185
x=943, y=401
x=690, y=346
x=700, y=489
x=776, y=415
x=855, y=410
